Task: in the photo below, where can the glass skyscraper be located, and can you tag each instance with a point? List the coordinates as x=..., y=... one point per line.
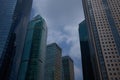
x=33, y=58
x=85, y=52
x=7, y=37
x=103, y=21
x=14, y=18
x=53, y=63
x=68, y=68
x=7, y=9
x=24, y=11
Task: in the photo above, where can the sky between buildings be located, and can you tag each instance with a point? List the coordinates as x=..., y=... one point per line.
x=62, y=18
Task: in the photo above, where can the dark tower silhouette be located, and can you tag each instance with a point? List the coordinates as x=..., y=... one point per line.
x=85, y=52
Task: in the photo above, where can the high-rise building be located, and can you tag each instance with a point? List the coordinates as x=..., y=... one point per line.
x=68, y=68
x=7, y=9
x=103, y=21
x=85, y=52
x=24, y=11
x=14, y=18
x=53, y=62
x=33, y=58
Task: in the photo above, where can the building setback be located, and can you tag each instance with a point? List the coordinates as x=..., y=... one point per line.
x=53, y=62
x=68, y=68
x=14, y=18
x=33, y=58
x=85, y=52
x=103, y=21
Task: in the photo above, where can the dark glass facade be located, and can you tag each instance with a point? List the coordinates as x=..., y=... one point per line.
x=11, y=14
x=53, y=63
x=23, y=17
x=33, y=58
x=85, y=52
x=14, y=15
x=68, y=68
x=7, y=9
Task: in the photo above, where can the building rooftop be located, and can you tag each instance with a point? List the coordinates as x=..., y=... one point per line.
x=54, y=44
x=67, y=57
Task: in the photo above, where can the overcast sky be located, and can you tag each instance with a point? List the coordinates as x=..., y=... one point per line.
x=62, y=18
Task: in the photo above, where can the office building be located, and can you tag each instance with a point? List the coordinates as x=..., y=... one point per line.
x=14, y=18
x=33, y=58
x=85, y=52
x=103, y=21
x=23, y=16
x=7, y=9
x=68, y=68
x=53, y=62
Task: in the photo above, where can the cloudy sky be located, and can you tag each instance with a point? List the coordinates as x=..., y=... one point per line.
x=62, y=18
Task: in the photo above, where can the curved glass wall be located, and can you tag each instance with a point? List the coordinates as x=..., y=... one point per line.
x=32, y=63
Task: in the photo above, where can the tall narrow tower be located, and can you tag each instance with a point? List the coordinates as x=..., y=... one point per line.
x=33, y=58
x=68, y=68
x=85, y=52
x=53, y=62
x=103, y=21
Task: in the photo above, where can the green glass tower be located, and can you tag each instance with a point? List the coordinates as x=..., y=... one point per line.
x=32, y=62
x=53, y=63
x=85, y=52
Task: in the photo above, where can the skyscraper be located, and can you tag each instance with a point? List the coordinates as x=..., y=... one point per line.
x=68, y=68
x=24, y=11
x=103, y=20
x=85, y=52
x=7, y=9
x=33, y=58
x=14, y=18
x=53, y=62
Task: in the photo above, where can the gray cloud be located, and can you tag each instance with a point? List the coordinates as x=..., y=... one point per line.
x=63, y=17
